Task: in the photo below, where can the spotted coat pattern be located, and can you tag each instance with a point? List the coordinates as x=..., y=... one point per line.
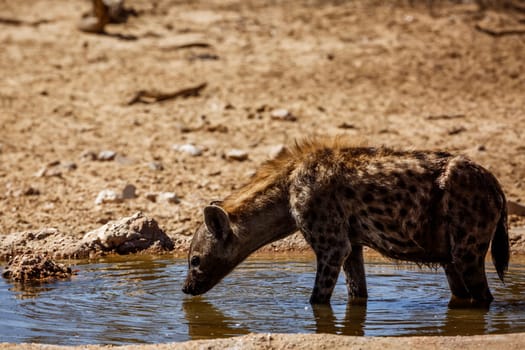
x=421, y=206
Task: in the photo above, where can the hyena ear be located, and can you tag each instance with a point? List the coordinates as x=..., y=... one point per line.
x=217, y=221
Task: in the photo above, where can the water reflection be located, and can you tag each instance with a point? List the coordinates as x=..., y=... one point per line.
x=352, y=324
x=461, y=321
x=30, y=290
x=206, y=321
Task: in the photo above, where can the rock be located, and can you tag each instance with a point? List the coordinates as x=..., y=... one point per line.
x=27, y=191
x=151, y=196
x=55, y=168
x=69, y=166
x=283, y=114
x=345, y=125
x=47, y=241
x=128, y=235
x=88, y=155
x=108, y=196
x=129, y=192
x=188, y=148
x=35, y=268
x=48, y=172
x=236, y=154
x=168, y=197
x=106, y=155
x=156, y=166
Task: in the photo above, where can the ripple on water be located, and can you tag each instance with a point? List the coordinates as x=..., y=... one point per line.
x=139, y=301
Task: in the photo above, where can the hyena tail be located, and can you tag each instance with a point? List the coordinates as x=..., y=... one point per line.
x=500, y=244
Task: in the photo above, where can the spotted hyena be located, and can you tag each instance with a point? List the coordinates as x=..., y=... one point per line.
x=421, y=206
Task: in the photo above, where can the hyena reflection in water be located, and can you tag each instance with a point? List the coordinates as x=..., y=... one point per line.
x=421, y=206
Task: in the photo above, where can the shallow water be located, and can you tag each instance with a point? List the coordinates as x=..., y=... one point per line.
x=139, y=300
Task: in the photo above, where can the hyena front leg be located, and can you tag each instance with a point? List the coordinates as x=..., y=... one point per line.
x=329, y=261
x=354, y=268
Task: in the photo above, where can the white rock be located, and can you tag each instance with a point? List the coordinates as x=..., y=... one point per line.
x=168, y=197
x=108, y=196
x=283, y=114
x=127, y=235
x=106, y=155
x=156, y=166
x=188, y=148
x=236, y=154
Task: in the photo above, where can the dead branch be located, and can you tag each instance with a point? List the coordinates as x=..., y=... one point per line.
x=445, y=116
x=19, y=22
x=499, y=32
x=153, y=96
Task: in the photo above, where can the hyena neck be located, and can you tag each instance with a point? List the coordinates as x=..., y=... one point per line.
x=260, y=213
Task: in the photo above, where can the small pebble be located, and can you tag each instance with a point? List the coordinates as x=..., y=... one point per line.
x=49, y=172
x=151, y=196
x=107, y=196
x=345, y=125
x=69, y=166
x=88, y=155
x=156, y=166
x=41, y=172
x=283, y=114
x=31, y=191
x=236, y=154
x=168, y=197
x=189, y=149
x=106, y=155
x=129, y=192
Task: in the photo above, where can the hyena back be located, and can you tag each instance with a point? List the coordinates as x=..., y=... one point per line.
x=421, y=206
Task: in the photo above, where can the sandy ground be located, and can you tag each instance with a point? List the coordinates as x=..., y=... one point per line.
x=318, y=341
x=385, y=73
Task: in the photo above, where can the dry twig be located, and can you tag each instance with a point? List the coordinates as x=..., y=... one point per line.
x=499, y=32
x=445, y=116
x=153, y=96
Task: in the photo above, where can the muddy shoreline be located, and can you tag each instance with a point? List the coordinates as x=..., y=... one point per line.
x=139, y=234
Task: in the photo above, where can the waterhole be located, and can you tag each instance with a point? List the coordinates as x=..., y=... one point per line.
x=139, y=300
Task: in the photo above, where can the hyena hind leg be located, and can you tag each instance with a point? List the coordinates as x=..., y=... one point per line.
x=468, y=282
x=460, y=294
x=354, y=268
x=476, y=282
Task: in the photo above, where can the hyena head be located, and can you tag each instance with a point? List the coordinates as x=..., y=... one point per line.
x=212, y=252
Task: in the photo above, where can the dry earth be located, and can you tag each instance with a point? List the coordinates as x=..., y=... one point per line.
x=317, y=341
x=384, y=73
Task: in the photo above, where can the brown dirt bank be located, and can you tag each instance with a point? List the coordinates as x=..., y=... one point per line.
x=317, y=341
x=118, y=237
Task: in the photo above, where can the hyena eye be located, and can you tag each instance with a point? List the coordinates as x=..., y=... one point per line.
x=195, y=261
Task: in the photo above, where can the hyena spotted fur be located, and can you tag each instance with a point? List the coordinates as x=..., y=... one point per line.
x=421, y=206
